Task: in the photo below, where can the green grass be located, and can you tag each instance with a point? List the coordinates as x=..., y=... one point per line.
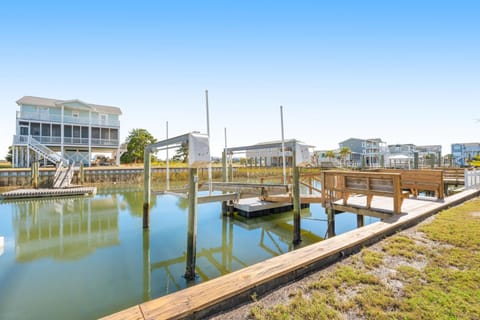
x=448, y=287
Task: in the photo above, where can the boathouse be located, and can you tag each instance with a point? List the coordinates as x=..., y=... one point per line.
x=68, y=131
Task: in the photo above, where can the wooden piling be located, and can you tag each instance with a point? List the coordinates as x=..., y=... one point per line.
x=296, y=201
x=331, y=222
x=360, y=221
x=192, y=224
x=35, y=174
x=81, y=174
x=146, y=187
x=224, y=179
x=146, y=266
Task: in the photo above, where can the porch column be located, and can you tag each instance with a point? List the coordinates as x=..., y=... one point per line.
x=62, y=133
x=89, y=138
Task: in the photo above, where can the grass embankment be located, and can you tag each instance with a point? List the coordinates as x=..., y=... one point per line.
x=431, y=271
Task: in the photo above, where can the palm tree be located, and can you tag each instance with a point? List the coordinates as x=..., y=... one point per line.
x=344, y=152
x=330, y=154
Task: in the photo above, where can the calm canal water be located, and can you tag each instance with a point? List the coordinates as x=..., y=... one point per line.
x=83, y=258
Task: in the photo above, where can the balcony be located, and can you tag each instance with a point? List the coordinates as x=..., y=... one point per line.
x=46, y=117
x=67, y=141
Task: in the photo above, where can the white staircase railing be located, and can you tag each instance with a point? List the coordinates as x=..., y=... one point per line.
x=63, y=176
x=45, y=151
x=472, y=178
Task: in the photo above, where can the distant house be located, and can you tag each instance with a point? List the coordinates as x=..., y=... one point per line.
x=429, y=155
x=70, y=131
x=462, y=153
x=402, y=155
x=371, y=150
x=272, y=157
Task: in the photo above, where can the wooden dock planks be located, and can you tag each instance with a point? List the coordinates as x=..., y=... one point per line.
x=231, y=289
x=40, y=193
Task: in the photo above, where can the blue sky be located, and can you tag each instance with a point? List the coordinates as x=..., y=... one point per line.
x=404, y=71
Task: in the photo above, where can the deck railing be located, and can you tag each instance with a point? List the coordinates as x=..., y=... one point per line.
x=51, y=140
x=38, y=116
x=472, y=178
x=338, y=185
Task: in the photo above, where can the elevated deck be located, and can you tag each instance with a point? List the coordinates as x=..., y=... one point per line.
x=41, y=193
x=237, y=287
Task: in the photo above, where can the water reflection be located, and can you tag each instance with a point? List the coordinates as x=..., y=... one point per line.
x=64, y=229
x=93, y=251
x=266, y=238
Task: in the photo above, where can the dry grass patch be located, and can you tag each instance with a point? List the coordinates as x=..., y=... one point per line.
x=444, y=285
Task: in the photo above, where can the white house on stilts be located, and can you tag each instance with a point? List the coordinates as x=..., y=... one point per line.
x=68, y=131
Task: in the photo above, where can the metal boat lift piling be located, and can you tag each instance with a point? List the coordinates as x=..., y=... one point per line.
x=300, y=157
x=199, y=156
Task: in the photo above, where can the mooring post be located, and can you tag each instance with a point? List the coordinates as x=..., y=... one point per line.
x=432, y=160
x=360, y=221
x=146, y=187
x=35, y=169
x=81, y=173
x=415, y=160
x=296, y=200
x=192, y=223
x=146, y=266
x=331, y=222
x=224, y=179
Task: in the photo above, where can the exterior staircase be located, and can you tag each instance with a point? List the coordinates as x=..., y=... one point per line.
x=47, y=153
x=63, y=176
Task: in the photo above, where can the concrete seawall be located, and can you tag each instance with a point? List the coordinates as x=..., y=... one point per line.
x=23, y=177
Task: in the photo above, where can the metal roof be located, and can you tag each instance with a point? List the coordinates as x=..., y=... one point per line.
x=55, y=103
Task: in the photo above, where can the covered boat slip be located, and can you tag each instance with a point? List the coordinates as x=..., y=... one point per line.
x=237, y=287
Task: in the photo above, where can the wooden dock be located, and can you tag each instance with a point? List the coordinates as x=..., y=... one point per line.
x=237, y=287
x=42, y=193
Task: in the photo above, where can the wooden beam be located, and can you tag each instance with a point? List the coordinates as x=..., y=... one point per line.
x=361, y=211
x=219, y=197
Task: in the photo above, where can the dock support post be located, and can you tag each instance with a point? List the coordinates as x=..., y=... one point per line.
x=360, y=221
x=415, y=160
x=192, y=223
x=35, y=174
x=146, y=187
x=146, y=266
x=296, y=201
x=331, y=222
x=81, y=174
x=224, y=179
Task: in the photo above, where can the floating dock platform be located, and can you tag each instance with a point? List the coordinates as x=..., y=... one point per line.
x=253, y=207
x=41, y=193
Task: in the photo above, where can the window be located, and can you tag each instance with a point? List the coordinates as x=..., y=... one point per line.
x=95, y=133
x=76, y=132
x=75, y=114
x=67, y=131
x=45, y=130
x=56, y=132
x=113, y=134
x=35, y=129
x=84, y=132
x=103, y=118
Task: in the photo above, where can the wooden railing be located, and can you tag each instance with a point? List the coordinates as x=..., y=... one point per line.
x=341, y=184
x=416, y=181
x=454, y=175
